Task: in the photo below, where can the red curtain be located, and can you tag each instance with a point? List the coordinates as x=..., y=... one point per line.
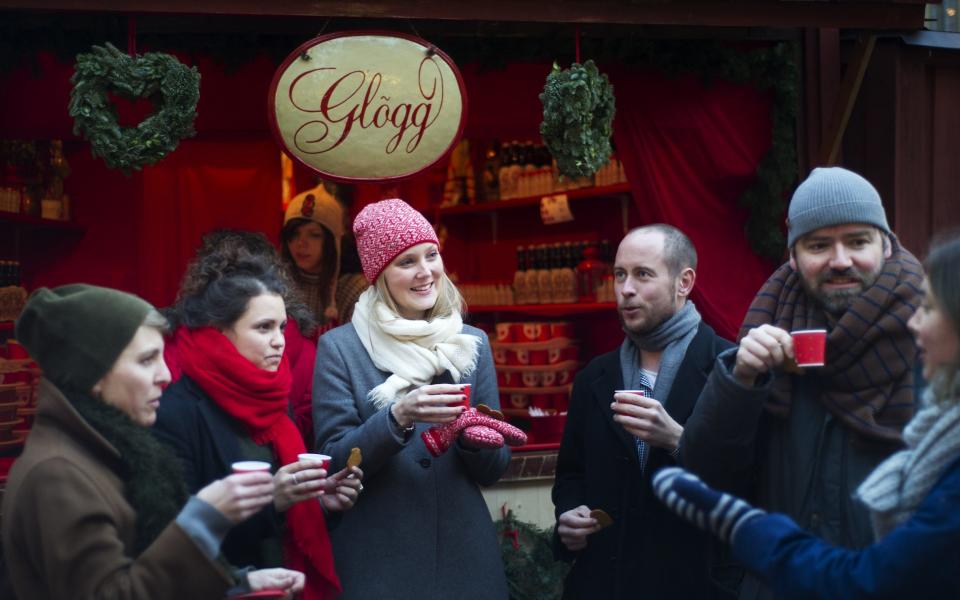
x=200, y=187
x=689, y=151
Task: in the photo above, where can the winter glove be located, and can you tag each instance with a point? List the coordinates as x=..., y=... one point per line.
x=718, y=513
x=479, y=429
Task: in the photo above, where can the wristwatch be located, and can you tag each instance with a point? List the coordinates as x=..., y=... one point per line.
x=404, y=431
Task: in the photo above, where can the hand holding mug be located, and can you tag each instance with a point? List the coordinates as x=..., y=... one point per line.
x=763, y=349
x=430, y=404
x=240, y=495
x=298, y=481
x=646, y=418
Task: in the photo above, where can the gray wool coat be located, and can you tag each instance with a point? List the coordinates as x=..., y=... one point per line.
x=420, y=529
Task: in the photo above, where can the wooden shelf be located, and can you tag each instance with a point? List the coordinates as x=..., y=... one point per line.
x=545, y=310
x=616, y=189
x=38, y=223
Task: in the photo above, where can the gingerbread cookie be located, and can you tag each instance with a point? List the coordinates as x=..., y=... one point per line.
x=490, y=412
x=603, y=519
x=355, y=458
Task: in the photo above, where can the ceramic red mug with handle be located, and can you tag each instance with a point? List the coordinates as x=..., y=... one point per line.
x=809, y=347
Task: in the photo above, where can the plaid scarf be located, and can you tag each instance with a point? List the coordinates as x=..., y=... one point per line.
x=868, y=377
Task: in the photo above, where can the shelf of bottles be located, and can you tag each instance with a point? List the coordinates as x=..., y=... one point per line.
x=550, y=280
x=544, y=310
x=520, y=174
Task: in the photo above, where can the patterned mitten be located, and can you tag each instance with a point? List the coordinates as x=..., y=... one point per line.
x=511, y=435
x=481, y=436
x=439, y=439
x=715, y=512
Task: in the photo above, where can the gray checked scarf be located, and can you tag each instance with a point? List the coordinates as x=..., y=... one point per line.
x=673, y=337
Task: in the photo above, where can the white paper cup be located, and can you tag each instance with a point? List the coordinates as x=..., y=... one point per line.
x=250, y=466
x=323, y=459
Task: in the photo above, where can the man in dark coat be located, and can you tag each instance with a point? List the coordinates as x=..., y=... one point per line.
x=800, y=441
x=615, y=439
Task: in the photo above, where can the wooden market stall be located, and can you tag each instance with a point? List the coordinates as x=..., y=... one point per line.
x=693, y=138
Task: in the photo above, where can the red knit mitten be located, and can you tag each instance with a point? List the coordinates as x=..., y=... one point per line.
x=481, y=436
x=490, y=433
x=511, y=435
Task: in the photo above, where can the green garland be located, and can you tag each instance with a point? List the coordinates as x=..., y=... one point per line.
x=578, y=108
x=532, y=573
x=173, y=88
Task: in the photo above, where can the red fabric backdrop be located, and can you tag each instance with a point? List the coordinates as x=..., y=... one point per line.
x=689, y=151
x=200, y=187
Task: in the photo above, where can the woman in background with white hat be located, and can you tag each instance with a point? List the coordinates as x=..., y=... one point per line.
x=315, y=247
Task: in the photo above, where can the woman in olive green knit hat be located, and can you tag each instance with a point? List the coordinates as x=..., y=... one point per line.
x=94, y=506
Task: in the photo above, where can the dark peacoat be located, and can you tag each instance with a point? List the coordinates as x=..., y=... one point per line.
x=207, y=440
x=648, y=552
x=67, y=526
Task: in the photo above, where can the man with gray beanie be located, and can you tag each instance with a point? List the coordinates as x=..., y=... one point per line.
x=800, y=440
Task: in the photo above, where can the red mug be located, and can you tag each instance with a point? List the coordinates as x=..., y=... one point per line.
x=466, y=401
x=519, y=400
x=538, y=357
x=505, y=332
x=809, y=347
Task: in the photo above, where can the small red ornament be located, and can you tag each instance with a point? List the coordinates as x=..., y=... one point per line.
x=308, y=203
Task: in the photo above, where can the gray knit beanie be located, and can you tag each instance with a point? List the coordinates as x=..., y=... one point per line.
x=833, y=196
x=77, y=332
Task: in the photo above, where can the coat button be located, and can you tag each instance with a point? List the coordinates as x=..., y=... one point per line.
x=425, y=463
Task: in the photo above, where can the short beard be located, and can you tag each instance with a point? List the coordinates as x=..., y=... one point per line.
x=837, y=302
x=647, y=328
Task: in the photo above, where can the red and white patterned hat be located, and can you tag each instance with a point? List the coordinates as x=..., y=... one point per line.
x=385, y=229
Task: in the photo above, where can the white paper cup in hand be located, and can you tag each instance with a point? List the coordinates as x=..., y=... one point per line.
x=250, y=466
x=323, y=459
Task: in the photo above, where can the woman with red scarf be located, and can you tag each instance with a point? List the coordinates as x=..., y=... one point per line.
x=231, y=404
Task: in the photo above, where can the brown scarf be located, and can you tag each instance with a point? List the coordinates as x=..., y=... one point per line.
x=870, y=353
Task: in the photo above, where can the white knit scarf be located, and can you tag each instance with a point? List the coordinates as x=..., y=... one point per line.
x=413, y=351
x=895, y=489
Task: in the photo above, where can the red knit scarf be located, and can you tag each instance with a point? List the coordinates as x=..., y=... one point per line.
x=868, y=377
x=258, y=398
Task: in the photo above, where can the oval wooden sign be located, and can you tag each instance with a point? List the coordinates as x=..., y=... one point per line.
x=367, y=106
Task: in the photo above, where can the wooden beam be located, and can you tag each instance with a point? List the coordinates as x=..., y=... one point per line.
x=849, y=89
x=866, y=14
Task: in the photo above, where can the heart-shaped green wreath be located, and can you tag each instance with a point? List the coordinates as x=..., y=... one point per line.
x=173, y=88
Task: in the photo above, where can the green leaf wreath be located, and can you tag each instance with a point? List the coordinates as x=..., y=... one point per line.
x=578, y=108
x=532, y=572
x=172, y=87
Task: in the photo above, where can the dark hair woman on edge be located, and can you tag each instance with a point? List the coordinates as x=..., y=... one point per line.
x=913, y=497
x=231, y=405
x=95, y=507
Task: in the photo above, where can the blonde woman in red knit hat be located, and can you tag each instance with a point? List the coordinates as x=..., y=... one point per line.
x=385, y=383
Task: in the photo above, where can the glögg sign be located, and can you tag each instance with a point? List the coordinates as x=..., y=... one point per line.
x=367, y=106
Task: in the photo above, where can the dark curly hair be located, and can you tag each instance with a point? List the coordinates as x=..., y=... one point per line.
x=225, y=299
x=226, y=252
